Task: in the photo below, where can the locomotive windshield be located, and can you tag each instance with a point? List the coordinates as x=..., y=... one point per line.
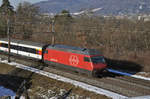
x=98, y=59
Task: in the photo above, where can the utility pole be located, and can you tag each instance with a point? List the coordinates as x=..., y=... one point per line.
x=53, y=30
x=8, y=34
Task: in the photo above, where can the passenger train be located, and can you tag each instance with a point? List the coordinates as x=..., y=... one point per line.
x=89, y=61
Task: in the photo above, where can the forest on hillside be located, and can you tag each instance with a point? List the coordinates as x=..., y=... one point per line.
x=122, y=41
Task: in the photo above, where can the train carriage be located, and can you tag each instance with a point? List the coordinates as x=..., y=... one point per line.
x=23, y=48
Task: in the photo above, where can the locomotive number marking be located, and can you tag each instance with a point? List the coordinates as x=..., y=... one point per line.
x=73, y=60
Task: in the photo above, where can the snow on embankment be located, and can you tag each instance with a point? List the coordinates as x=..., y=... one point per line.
x=67, y=80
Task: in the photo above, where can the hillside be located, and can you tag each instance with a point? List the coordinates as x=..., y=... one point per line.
x=109, y=6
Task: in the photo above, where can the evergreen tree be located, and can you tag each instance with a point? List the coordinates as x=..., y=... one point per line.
x=65, y=13
x=6, y=8
x=64, y=17
x=6, y=12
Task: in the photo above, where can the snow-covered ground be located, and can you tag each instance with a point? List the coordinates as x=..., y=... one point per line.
x=67, y=80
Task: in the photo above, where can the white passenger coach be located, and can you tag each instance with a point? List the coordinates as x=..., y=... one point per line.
x=24, y=48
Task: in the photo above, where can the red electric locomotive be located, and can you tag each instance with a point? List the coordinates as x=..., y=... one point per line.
x=83, y=60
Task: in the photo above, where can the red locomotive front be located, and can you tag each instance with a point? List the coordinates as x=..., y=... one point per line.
x=99, y=64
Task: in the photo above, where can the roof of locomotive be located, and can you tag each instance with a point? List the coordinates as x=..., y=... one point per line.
x=74, y=49
x=23, y=42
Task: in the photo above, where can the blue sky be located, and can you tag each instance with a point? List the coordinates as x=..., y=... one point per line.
x=15, y=2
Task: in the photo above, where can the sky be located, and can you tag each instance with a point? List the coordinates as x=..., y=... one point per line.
x=16, y=2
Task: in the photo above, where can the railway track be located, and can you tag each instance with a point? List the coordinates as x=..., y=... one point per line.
x=124, y=85
x=130, y=88
x=119, y=85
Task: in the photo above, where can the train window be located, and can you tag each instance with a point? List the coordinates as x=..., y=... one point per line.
x=98, y=59
x=4, y=45
x=33, y=50
x=86, y=59
x=25, y=49
x=20, y=48
x=12, y=46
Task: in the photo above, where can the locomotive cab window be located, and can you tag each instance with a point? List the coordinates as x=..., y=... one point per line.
x=98, y=59
x=86, y=59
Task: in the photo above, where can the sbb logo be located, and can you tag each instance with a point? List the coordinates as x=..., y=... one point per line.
x=74, y=60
